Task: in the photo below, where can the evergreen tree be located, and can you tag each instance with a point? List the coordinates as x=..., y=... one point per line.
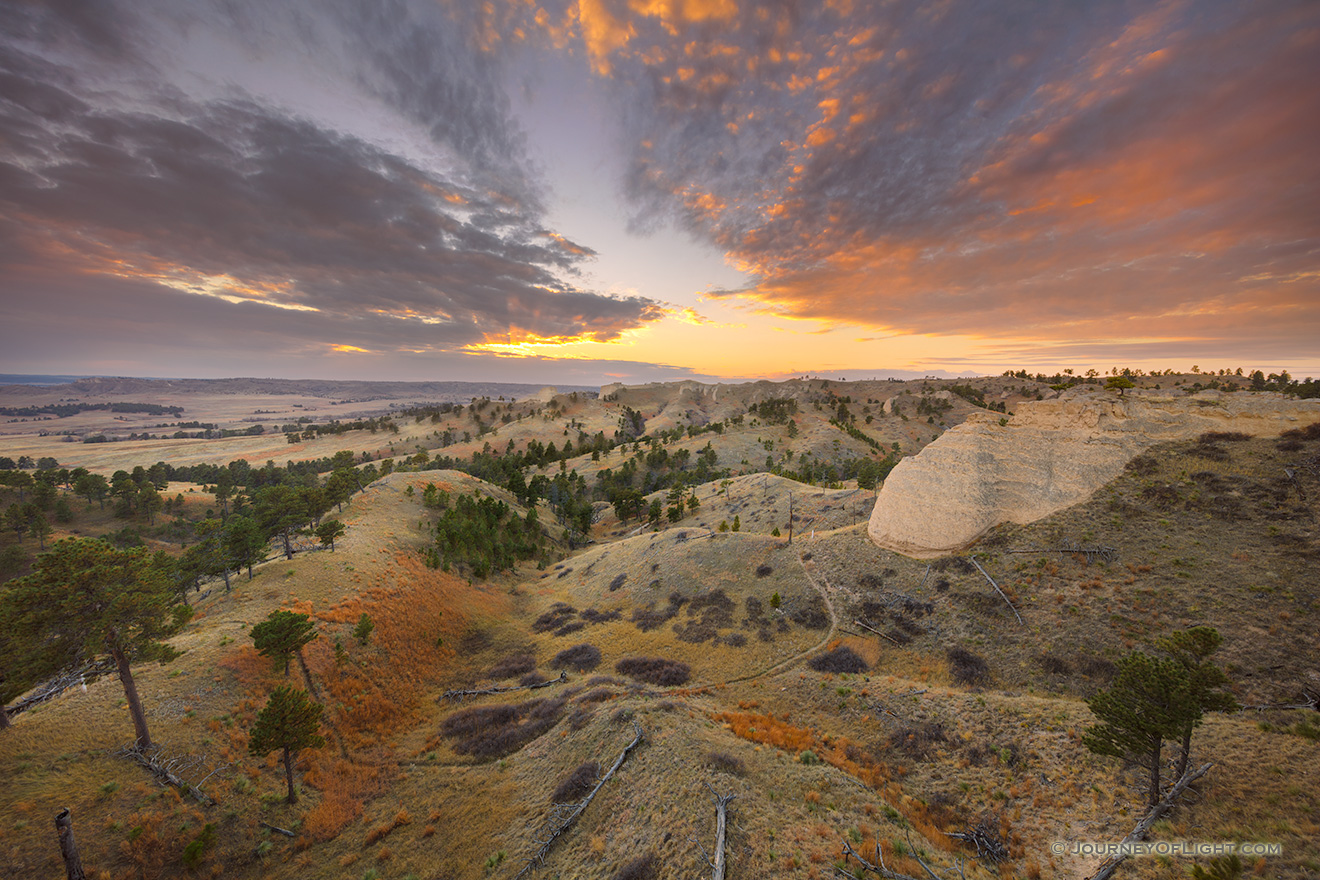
x=282, y=634
x=362, y=632
x=85, y=598
x=281, y=511
x=328, y=531
x=247, y=545
x=1192, y=649
x=289, y=722
x=1149, y=701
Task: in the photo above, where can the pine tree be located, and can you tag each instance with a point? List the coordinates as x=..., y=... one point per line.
x=1149, y=701
x=362, y=632
x=1192, y=649
x=85, y=598
x=288, y=722
x=328, y=531
x=282, y=634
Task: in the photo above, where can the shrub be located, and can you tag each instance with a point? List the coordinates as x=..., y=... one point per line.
x=763, y=570
x=1223, y=437
x=591, y=615
x=813, y=615
x=723, y=762
x=841, y=659
x=1210, y=451
x=195, y=851
x=966, y=667
x=654, y=670
x=918, y=740
x=518, y=664
x=640, y=868
x=573, y=787
x=808, y=757
x=487, y=732
x=558, y=615
x=649, y=618
x=618, y=581
x=1054, y=664
x=580, y=658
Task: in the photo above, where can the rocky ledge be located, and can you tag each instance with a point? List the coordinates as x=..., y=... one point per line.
x=1049, y=455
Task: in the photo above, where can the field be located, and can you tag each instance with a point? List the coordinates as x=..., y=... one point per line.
x=842, y=693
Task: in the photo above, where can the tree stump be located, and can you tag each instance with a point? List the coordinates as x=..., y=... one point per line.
x=68, y=848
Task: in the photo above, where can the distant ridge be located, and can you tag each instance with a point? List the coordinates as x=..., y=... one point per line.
x=357, y=390
x=36, y=379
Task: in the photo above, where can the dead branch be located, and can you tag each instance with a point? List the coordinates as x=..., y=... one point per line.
x=881, y=869
x=504, y=689
x=1311, y=703
x=912, y=849
x=985, y=837
x=564, y=815
x=286, y=832
x=1108, y=866
x=863, y=625
x=1106, y=554
x=721, y=818
x=973, y=561
x=169, y=771
x=53, y=687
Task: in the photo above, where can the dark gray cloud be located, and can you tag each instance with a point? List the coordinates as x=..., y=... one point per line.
x=108, y=168
x=992, y=169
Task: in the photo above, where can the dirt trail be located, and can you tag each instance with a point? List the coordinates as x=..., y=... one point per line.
x=798, y=657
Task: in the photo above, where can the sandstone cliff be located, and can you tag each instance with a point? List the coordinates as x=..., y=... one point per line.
x=1050, y=455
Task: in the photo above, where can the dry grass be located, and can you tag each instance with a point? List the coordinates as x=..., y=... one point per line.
x=929, y=755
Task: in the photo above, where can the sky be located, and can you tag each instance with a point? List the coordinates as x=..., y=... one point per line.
x=595, y=191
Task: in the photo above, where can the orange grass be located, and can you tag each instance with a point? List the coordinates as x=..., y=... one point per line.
x=836, y=751
x=419, y=614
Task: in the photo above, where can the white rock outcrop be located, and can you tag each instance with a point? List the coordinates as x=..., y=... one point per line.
x=1049, y=455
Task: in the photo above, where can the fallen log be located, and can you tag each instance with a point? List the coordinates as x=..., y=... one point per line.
x=1109, y=865
x=286, y=832
x=874, y=630
x=567, y=814
x=717, y=864
x=504, y=689
x=973, y=561
x=167, y=770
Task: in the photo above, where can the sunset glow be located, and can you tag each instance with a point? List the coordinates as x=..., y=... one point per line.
x=597, y=190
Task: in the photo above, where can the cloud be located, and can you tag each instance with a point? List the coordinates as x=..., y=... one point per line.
x=59, y=316
x=109, y=171
x=1057, y=171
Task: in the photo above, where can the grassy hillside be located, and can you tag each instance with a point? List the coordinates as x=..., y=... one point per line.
x=726, y=649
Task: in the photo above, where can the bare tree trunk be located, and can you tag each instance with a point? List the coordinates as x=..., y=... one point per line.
x=1108, y=867
x=1156, y=747
x=131, y=694
x=1186, y=756
x=721, y=819
x=288, y=775
x=68, y=848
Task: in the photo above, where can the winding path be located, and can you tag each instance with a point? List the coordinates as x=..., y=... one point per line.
x=798, y=657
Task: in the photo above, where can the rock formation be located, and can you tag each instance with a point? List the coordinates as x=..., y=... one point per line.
x=1049, y=455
